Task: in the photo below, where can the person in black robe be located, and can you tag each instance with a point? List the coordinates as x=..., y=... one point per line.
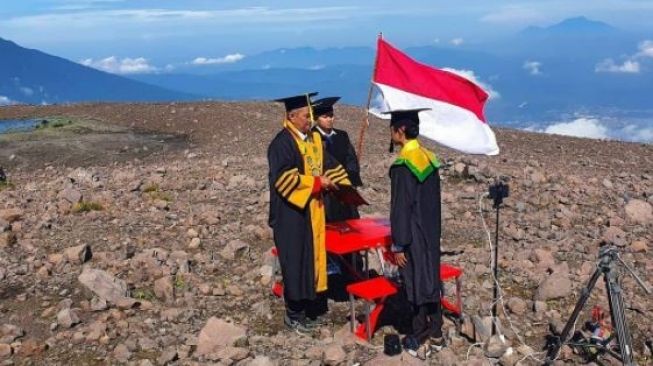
x=416, y=227
x=339, y=145
x=300, y=172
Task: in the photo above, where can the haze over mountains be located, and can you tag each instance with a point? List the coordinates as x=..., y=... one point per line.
x=579, y=71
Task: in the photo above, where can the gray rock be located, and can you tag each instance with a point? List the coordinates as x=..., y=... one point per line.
x=67, y=318
x=217, y=334
x=11, y=215
x=234, y=249
x=494, y=347
x=553, y=287
x=71, y=195
x=640, y=212
x=261, y=361
x=98, y=304
x=78, y=254
x=5, y=351
x=615, y=235
x=104, y=285
x=7, y=239
x=121, y=353
x=334, y=354
x=517, y=305
x=164, y=289
x=9, y=333
x=167, y=356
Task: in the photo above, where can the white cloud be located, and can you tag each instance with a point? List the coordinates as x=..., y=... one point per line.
x=91, y=19
x=469, y=75
x=533, y=67
x=608, y=65
x=316, y=67
x=632, y=64
x=123, y=66
x=636, y=133
x=512, y=15
x=645, y=49
x=457, y=41
x=581, y=127
x=5, y=101
x=26, y=91
x=228, y=59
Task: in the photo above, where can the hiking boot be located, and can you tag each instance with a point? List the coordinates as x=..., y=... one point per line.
x=413, y=348
x=437, y=344
x=298, y=326
x=317, y=322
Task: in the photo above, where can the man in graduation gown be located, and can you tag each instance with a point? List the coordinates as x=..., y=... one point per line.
x=300, y=172
x=340, y=147
x=415, y=226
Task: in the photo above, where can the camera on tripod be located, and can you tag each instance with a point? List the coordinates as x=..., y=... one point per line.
x=498, y=191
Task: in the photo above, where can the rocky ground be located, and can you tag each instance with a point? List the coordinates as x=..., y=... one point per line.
x=154, y=250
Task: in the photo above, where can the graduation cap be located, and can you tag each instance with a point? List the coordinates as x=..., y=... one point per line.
x=295, y=102
x=324, y=105
x=405, y=117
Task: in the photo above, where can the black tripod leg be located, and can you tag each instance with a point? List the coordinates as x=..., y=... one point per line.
x=558, y=341
x=619, y=318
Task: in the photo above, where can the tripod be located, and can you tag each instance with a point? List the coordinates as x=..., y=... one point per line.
x=608, y=260
x=497, y=191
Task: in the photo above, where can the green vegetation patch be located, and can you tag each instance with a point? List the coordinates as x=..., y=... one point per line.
x=87, y=206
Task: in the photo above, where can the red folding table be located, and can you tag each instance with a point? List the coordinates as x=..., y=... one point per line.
x=353, y=236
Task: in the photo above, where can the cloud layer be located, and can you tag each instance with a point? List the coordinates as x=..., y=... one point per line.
x=123, y=66
x=632, y=64
x=533, y=67
x=228, y=59
x=581, y=127
x=5, y=101
x=469, y=75
x=601, y=128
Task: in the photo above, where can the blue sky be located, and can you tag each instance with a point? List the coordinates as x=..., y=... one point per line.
x=167, y=31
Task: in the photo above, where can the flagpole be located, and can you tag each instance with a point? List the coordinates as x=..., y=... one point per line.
x=366, y=121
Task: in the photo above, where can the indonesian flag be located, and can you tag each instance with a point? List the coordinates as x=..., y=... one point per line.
x=456, y=117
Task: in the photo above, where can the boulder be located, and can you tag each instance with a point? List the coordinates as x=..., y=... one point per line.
x=104, y=285
x=640, y=212
x=553, y=287
x=217, y=334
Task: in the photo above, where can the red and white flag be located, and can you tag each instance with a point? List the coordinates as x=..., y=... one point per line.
x=456, y=117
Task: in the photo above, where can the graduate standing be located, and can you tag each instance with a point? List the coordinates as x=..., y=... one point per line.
x=340, y=147
x=416, y=226
x=300, y=172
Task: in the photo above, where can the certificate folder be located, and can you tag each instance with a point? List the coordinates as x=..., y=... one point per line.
x=349, y=196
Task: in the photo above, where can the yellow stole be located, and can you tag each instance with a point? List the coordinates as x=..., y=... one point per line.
x=311, y=151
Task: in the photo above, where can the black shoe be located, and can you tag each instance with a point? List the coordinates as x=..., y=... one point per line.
x=413, y=348
x=319, y=321
x=437, y=344
x=297, y=325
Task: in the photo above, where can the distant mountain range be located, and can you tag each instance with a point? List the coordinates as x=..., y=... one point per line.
x=578, y=66
x=34, y=77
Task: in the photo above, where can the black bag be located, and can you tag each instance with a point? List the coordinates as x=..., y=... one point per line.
x=391, y=345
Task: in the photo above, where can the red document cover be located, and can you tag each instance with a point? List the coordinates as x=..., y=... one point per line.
x=350, y=196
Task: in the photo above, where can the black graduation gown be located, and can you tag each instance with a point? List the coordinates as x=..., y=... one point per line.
x=340, y=147
x=415, y=222
x=291, y=225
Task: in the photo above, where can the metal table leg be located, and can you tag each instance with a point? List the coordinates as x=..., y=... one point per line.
x=351, y=299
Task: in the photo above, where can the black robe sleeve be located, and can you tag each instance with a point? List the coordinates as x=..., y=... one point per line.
x=351, y=164
x=402, y=199
x=334, y=170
